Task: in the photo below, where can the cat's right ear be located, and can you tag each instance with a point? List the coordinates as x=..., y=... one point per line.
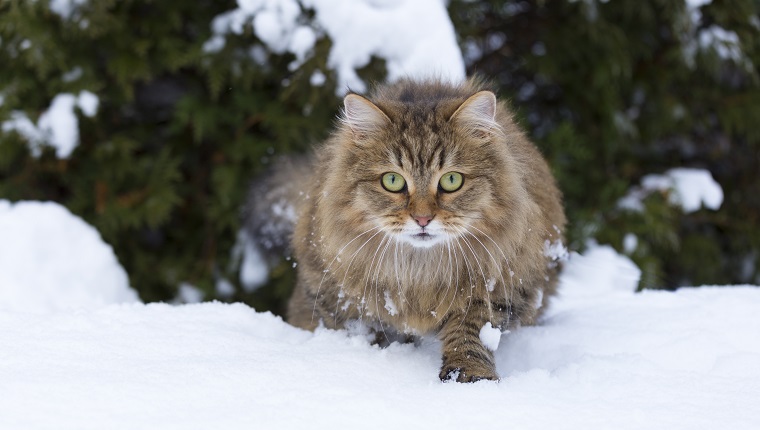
x=362, y=116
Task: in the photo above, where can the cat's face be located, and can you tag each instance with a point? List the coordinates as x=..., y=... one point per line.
x=425, y=205
x=426, y=178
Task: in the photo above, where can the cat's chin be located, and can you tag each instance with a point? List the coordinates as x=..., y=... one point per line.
x=423, y=240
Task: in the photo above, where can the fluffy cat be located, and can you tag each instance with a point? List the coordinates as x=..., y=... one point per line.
x=426, y=211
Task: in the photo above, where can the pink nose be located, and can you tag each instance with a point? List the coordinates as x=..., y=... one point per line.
x=422, y=220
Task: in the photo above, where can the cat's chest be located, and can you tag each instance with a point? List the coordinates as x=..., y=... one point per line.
x=415, y=290
x=400, y=271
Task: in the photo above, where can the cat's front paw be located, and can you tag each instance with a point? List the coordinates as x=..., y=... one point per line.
x=467, y=373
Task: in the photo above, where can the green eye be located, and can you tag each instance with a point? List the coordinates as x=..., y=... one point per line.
x=451, y=181
x=393, y=182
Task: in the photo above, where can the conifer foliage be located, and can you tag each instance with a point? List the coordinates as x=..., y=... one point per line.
x=162, y=167
x=613, y=91
x=175, y=118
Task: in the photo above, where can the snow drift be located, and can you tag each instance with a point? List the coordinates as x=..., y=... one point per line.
x=51, y=260
x=604, y=357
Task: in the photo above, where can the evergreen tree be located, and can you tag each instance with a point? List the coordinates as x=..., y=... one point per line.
x=613, y=91
x=188, y=115
x=181, y=128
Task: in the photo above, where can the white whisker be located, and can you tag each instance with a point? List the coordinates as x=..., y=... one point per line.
x=475, y=257
x=471, y=285
x=367, y=279
x=350, y=262
x=496, y=262
x=456, y=286
x=509, y=295
x=327, y=270
x=377, y=298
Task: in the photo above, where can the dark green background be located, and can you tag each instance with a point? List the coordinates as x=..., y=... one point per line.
x=605, y=89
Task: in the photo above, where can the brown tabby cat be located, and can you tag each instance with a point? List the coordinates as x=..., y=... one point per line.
x=426, y=211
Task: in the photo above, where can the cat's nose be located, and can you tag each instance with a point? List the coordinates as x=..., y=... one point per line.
x=422, y=220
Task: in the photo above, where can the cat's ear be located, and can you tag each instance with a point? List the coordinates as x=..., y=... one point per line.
x=477, y=115
x=362, y=116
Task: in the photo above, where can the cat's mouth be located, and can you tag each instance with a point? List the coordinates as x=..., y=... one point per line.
x=422, y=239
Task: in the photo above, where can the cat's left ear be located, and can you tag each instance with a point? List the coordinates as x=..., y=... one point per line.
x=362, y=116
x=477, y=115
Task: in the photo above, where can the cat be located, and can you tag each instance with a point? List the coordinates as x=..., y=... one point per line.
x=427, y=211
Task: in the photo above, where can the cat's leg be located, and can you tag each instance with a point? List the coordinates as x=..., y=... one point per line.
x=309, y=310
x=301, y=309
x=464, y=355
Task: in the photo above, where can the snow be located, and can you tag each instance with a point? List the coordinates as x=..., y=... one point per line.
x=600, y=272
x=302, y=41
x=490, y=336
x=50, y=260
x=390, y=306
x=60, y=123
x=415, y=37
x=254, y=271
x=72, y=75
x=695, y=4
x=317, y=78
x=690, y=190
x=724, y=42
x=65, y=8
x=57, y=126
x=694, y=188
x=224, y=288
x=215, y=44
x=79, y=351
x=630, y=243
x=275, y=24
x=555, y=250
x=88, y=103
x=21, y=124
x=188, y=293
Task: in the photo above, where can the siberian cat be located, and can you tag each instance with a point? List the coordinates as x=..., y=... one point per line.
x=427, y=211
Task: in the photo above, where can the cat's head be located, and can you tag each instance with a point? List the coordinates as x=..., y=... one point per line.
x=428, y=170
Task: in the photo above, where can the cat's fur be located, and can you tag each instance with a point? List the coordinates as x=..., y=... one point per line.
x=359, y=248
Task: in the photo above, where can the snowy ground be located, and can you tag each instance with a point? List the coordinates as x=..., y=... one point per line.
x=604, y=358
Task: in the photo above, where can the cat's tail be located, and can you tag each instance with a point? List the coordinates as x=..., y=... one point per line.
x=273, y=203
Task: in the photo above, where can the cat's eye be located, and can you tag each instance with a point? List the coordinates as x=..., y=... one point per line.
x=393, y=182
x=451, y=181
